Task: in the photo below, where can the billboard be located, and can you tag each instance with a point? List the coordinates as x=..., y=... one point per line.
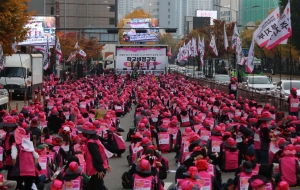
x=201, y=22
x=40, y=27
x=150, y=24
x=146, y=59
x=211, y=14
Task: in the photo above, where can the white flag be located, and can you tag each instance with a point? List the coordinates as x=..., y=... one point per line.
x=194, y=44
x=40, y=48
x=76, y=46
x=263, y=33
x=2, y=58
x=202, y=50
x=235, y=35
x=58, y=52
x=47, y=55
x=225, y=38
x=72, y=56
x=282, y=30
x=239, y=51
x=184, y=52
x=13, y=46
x=213, y=46
x=250, y=64
x=199, y=44
x=82, y=53
x=189, y=47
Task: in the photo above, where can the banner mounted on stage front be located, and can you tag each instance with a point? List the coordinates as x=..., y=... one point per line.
x=153, y=59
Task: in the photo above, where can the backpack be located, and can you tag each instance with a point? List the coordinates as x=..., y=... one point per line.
x=127, y=180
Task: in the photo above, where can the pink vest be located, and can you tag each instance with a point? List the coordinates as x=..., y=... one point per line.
x=294, y=103
x=164, y=141
x=243, y=182
x=7, y=147
x=26, y=162
x=231, y=160
x=43, y=162
x=205, y=180
x=173, y=131
x=185, y=120
x=121, y=144
x=89, y=160
x=118, y=109
x=74, y=184
x=142, y=183
x=288, y=170
x=233, y=87
x=184, y=148
x=82, y=107
x=216, y=142
x=255, y=170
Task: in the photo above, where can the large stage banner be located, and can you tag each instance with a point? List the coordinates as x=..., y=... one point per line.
x=144, y=58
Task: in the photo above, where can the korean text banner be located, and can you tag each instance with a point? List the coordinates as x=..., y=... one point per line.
x=150, y=25
x=148, y=58
x=40, y=27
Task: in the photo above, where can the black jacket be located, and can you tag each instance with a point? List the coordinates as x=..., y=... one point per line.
x=98, y=162
x=54, y=123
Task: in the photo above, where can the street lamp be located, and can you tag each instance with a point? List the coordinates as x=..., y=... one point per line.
x=237, y=11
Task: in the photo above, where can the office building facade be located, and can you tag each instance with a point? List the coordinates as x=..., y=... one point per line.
x=77, y=13
x=260, y=12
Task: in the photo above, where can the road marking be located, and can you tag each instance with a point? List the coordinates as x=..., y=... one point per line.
x=167, y=185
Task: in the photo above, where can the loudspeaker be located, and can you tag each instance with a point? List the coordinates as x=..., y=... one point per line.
x=124, y=68
x=79, y=71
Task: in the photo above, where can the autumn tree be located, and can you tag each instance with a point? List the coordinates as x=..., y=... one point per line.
x=90, y=46
x=137, y=13
x=13, y=17
x=167, y=39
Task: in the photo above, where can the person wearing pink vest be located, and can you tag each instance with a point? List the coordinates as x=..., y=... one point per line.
x=230, y=156
x=293, y=101
x=114, y=142
x=96, y=160
x=289, y=166
x=207, y=180
x=257, y=182
x=190, y=182
x=143, y=178
x=24, y=160
x=241, y=180
x=9, y=125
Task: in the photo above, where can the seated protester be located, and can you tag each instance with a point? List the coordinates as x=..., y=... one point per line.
x=230, y=156
x=189, y=185
x=114, y=142
x=241, y=180
x=259, y=182
x=289, y=166
x=7, y=184
x=191, y=175
x=143, y=174
x=250, y=156
x=24, y=160
x=35, y=131
x=56, y=185
x=67, y=144
x=229, y=185
x=283, y=185
x=202, y=166
x=157, y=168
x=46, y=135
x=72, y=174
x=266, y=170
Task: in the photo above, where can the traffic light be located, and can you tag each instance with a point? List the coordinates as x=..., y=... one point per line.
x=171, y=30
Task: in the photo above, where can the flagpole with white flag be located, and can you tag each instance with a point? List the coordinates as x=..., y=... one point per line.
x=265, y=30
x=47, y=55
x=213, y=46
x=282, y=30
x=2, y=58
x=235, y=35
x=58, y=52
x=225, y=37
x=250, y=65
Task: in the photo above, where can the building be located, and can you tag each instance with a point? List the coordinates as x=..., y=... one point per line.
x=78, y=13
x=125, y=7
x=255, y=10
x=228, y=10
x=138, y=4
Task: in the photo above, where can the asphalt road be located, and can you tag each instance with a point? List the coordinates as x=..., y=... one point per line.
x=113, y=180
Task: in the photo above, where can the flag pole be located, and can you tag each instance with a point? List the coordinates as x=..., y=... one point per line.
x=280, y=71
x=291, y=62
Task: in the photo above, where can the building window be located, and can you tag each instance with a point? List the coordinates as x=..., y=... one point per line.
x=169, y=3
x=168, y=10
x=168, y=16
x=169, y=22
x=111, y=21
x=112, y=8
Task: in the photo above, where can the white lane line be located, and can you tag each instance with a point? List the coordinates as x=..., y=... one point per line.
x=167, y=185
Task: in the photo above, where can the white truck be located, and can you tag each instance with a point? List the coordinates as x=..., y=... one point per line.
x=22, y=73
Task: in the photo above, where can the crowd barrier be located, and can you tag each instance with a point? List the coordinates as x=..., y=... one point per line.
x=262, y=97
